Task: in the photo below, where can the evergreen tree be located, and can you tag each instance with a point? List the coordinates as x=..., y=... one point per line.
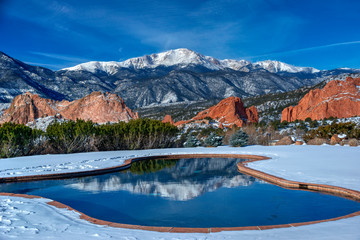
x=213, y=140
x=192, y=141
x=239, y=139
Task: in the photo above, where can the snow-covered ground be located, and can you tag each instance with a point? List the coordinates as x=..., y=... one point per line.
x=34, y=219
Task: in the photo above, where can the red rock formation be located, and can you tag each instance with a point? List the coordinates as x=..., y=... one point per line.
x=28, y=107
x=339, y=99
x=97, y=107
x=228, y=112
x=252, y=115
x=168, y=119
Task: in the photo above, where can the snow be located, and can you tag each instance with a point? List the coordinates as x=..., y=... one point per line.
x=184, y=57
x=342, y=136
x=170, y=97
x=179, y=56
x=331, y=165
x=93, y=66
x=276, y=66
x=234, y=64
x=22, y=218
x=59, y=163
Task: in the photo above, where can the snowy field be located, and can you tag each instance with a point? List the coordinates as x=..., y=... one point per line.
x=22, y=218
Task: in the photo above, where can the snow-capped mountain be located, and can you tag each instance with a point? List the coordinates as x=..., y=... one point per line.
x=276, y=66
x=182, y=58
x=176, y=76
x=179, y=57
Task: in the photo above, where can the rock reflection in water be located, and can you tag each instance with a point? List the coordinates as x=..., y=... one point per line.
x=180, y=180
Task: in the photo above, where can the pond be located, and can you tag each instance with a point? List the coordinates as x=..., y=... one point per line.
x=197, y=192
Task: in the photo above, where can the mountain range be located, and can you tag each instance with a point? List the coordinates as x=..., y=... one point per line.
x=175, y=76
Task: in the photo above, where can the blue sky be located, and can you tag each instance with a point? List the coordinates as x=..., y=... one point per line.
x=58, y=34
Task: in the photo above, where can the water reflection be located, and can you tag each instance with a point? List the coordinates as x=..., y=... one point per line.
x=180, y=180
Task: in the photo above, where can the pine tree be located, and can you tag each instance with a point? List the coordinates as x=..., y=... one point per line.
x=191, y=141
x=239, y=139
x=213, y=140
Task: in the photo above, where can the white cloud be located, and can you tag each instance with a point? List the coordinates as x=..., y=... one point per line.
x=306, y=49
x=61, y=57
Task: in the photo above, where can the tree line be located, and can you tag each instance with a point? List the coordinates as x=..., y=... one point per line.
x=85, y=136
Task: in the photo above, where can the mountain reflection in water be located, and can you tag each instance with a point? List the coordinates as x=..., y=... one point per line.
x=181, y=180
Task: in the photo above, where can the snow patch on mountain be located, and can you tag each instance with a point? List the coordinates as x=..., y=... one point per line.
x=234, y=64
x=94, y=66
x=276, y=66
x=170, y=97
x=181, y=56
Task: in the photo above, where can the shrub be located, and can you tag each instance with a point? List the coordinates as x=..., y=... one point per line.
x=204, y=132
x=326, y=131
x=17, y=139
x=313, y=124
x=284, y=124
x=71, y=136
x=136, y=134
x=213, y=140
x=83, y=136
x=302, y=126
x=239, y=139
x=275, y=124
x=308, y=119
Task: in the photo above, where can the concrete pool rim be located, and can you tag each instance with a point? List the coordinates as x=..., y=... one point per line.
x=242, y=167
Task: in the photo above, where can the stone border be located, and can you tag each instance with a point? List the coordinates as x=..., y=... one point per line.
x=338, y=191
x=333, y=190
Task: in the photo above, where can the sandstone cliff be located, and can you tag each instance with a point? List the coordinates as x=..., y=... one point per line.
x=97, y=107
x=228, y=112
x=339, y=99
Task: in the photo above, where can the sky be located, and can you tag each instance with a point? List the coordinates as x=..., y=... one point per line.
x=324, y=34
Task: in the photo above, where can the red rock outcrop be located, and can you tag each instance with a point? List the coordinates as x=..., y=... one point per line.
x=28, y=107
x=168, y=119
x=339, y=99
x=97, y=107
x=228, y=112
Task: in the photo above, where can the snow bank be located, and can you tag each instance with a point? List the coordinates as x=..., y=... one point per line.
x=331, y=165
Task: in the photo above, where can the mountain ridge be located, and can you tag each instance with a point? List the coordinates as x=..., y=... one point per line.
x=184, y=57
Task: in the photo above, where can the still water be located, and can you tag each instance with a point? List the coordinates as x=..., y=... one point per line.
x=197, y=192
